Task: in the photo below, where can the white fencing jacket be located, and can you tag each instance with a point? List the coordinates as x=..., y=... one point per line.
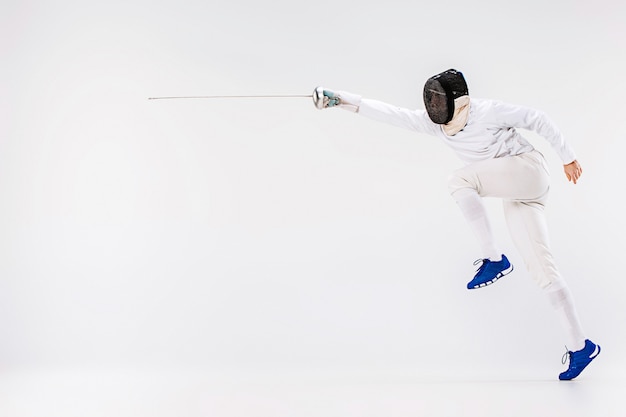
x=490, y=131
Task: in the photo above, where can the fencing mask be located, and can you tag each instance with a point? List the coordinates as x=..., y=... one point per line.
x=440, y=92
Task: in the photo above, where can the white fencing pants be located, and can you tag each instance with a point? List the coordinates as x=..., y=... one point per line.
x=522, y=182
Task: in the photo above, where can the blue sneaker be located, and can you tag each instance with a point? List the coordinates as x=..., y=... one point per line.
x=489, y=272
x=579, y=360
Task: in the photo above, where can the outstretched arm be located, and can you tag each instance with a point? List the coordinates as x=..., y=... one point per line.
x=373, y=109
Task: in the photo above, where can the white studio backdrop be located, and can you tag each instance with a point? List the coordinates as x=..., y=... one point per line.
x=262, y=235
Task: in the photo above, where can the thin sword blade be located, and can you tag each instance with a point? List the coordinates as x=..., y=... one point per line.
x=235, y=96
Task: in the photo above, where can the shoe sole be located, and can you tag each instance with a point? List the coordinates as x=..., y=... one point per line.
x=497, y=277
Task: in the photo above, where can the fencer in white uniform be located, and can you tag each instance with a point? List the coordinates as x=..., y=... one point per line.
x=500, y=163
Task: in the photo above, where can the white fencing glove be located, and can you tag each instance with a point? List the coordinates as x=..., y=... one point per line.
x=323, y=99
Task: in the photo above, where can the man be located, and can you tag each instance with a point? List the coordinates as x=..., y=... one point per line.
x=499, y=163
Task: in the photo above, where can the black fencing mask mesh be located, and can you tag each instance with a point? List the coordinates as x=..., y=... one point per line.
x=440, y=92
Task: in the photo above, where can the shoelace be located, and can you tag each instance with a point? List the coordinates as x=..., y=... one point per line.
x=566, y=355
x=483, y=265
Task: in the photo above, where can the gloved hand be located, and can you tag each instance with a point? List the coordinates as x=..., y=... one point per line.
x=323, y=99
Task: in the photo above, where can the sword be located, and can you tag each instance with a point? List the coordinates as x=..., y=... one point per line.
x=230, y=96
x=318, y=97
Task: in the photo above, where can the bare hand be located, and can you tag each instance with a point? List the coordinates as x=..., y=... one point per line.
x=573, y=171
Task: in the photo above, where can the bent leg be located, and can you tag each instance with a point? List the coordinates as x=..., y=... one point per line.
x=521, y=177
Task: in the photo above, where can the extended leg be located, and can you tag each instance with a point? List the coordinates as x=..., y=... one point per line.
x=529, y=232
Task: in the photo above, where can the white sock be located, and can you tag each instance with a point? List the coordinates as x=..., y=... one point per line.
x=563, y=303
x=473, y=210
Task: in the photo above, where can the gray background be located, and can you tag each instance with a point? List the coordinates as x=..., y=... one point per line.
x=265, y=237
